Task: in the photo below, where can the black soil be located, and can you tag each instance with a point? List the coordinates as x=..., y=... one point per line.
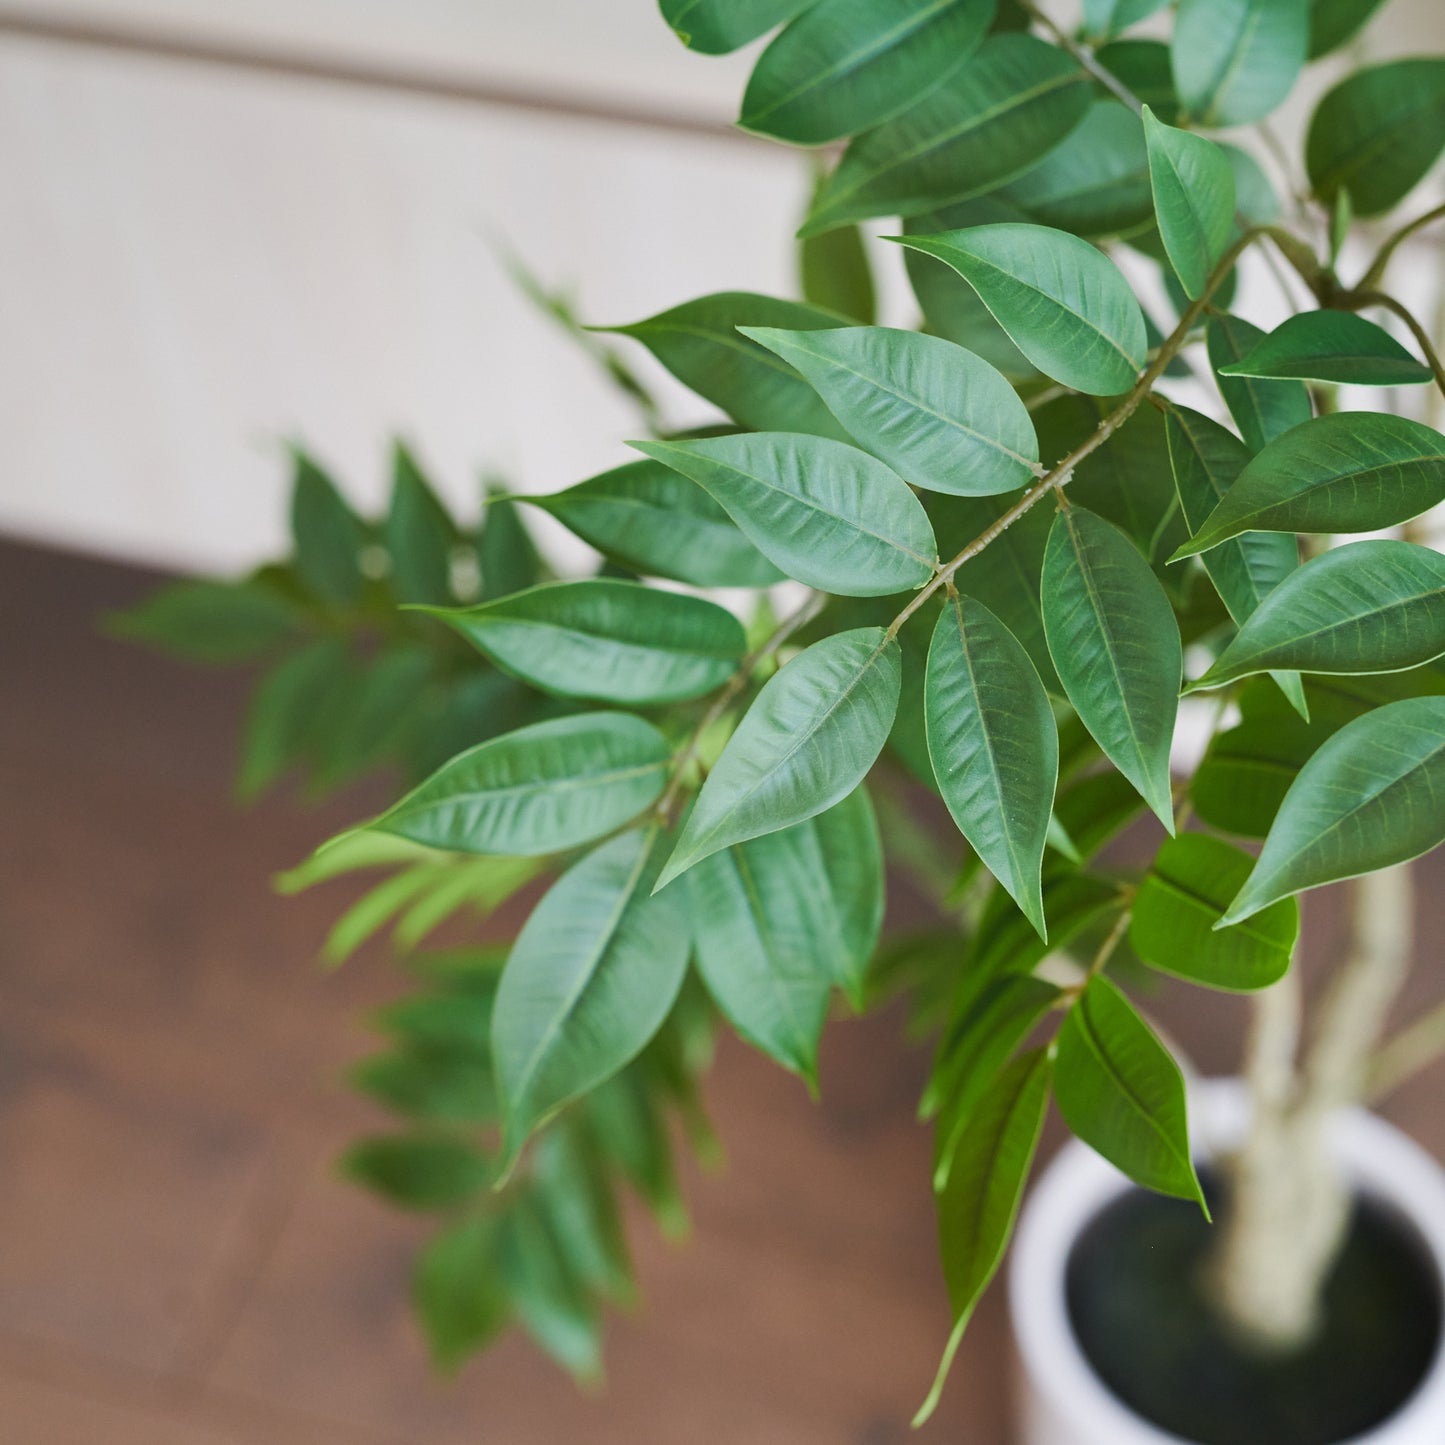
x=1140, y=1317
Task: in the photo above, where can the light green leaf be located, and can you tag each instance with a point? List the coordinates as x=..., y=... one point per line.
x=538, y=790
x=1236, y=60
x=329, y=535
x=1014, y=101
x=698, y=342
x=546, y=1296
x=1177, y=911
x=1334, y=23
x=420, y=536
x=1116, y=646
x=210, y=622
x=590, y=979
x=812, y=733
x=1123, y=1095
x=1194, y=200
x=1364, y=607
x=1103, y=18
x=1348, y=471
x=457, y=1293
x=1263, y=410
x=1373, y=796
x=1378, y=133
x=1332, y=346
x=940, y=416
x=846, y=65
x=603, y=638
x=976, y=1213
x=828, y=514
x=994, y=746
x=1065, y=305
x=648, y=518
x=715, y=27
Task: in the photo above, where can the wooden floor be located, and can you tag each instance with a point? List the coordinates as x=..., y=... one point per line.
x=179, y=1264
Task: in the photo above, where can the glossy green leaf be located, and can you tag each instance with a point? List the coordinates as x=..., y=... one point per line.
x=1345, y=472
x=807, y=741
x=506, y=554
x=210, y=622
x=538, y=790
x=1334, y=23
x=781, y=920
x=1194, y=200
x=419, y=536
x=715, y=27
x=994, y=746
x=648, y=518
x=1371, y=797
x=940, y=416
x=828, y=514
x=1378, y=133
x=419, y=1171
x=590, y=979
x=329, y=535
x=1014, y=101
x=457, y=1293
x=1179, y=905
x=1121, y=1092
x=1064, y=304
x=976, y=1212
x=1333, y=346
x=698, y=342
x=846, y=65
x=1116, y=646
x=1263, y=410
x=602, y=638
x=1364, y=607
x=1236, y=60
x=1103, y=18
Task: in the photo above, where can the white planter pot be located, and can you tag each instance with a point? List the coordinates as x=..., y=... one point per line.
x=1062, y=1400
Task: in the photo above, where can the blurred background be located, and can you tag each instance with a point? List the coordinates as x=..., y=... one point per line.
x=224, y=229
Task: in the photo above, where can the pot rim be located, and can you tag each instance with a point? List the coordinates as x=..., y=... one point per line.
x=1078, y=1183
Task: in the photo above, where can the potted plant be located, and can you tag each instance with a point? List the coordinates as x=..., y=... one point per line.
x=984, y=557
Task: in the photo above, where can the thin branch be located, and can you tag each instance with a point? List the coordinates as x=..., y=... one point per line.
x=1357, y=300
x=1376, y=272
x=1085, y=56
x=1415, y=1047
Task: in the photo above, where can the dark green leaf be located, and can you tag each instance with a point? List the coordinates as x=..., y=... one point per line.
x=828, y=514
x=1263, y=410
x=810, y=736
x=420, y=536
x=457, y=1291
x=1116, y=646
x=836, y=274
x=1144, y=69
x=1122, y=1094
x=1370, y=798
x=1334, y=23
x=210, y=622
x=285, y=711
x=715, y=27
x=329, y=535
x=1332, y=346
x=546, y=1296
x=1178, y=908
x=506, y=555
x=440, y=1086
x=538, y=790
x=1194, y=200
x=418, y=1171
x=1236, y=60
x=940, y=416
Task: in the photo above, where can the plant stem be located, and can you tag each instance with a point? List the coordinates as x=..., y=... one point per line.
x=1085, y=56
x=1357, y=300
x=1376, y=273
x=1415, y=1047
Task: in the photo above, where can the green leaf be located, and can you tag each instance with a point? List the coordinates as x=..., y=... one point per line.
x=590, y=979
x=435, y=1086
x=1103, y=18
x=1123, y=1095
x=1096, y=183
x=1143, y=67
x=506, y=555
x=780, y=920
x=994, y=746
x=846, y=65
x=976, y=1213
x=1349, y=471
x=1364, y=607
x=1334, y=23
x=618, y=641
x=547, y=1297
x=828, y=514
x=715, y=27
x=698, y=342
x=940, y=416
x=537, y=790
x=420, y=536
x=1194, y=200
x=1369, y=798
x=1177, y=911
x=835, y=273
x=648, y=518
x=1116, y=646
x=1263, y=410
x=1236, y=60
x=814, y=730
x=1378, y=133
x=1332, y=346
x=285, y=711
x=1065, y=305
x=457, y=1293
x=1014, y=101
x=210, y=622
x=329, y=536
x=418, y=1171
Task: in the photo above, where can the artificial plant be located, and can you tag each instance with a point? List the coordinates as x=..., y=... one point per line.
x=1009, y=539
